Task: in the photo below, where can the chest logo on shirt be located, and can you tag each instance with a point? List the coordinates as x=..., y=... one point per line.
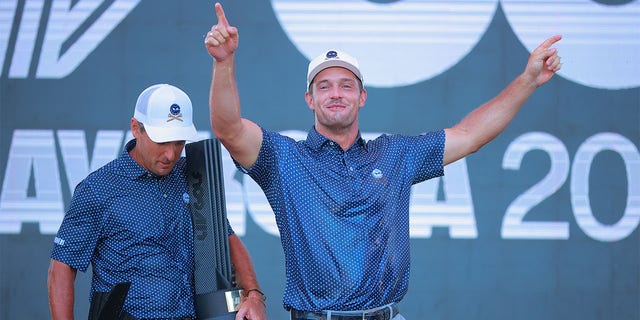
x=378, y=177
x=185, y=197
x=377, y=174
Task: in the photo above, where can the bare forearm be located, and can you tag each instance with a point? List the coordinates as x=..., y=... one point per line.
x=245, y=273
x=60, y=284
x=224, y=100
x=241, y=137
x=487, y=121
x=253, y=305
x=492, y=118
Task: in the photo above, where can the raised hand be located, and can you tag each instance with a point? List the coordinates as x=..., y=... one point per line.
x=544, y=61
x=222, y=40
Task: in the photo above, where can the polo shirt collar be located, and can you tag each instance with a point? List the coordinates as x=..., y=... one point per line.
x=130, y=168
x=315, y=140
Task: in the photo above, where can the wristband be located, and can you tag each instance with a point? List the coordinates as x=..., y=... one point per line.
x=246, y=293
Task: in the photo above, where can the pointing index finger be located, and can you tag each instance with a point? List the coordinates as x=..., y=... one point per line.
x=549, y=42
x=222, y=19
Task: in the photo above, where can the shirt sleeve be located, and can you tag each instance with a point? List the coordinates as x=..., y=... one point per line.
x=429, y=155
x=78, y=234
x=262, y=171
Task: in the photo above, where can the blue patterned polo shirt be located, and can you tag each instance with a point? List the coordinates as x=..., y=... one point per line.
x=133, y=226
x=343, y=216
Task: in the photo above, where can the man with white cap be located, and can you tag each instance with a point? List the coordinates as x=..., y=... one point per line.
x=342, y=203
x=130, y=220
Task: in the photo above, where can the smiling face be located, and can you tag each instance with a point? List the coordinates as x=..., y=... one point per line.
x=336, y=96
x=157, y=158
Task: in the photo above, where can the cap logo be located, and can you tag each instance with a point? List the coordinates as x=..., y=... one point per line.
x=331, y=55
x=174, y=113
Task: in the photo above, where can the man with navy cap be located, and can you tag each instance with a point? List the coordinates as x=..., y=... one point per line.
x=342, y=203
x=130, y=220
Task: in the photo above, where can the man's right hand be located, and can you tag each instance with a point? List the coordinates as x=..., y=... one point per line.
x=222, y=40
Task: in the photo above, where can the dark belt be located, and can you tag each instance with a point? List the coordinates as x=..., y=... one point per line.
x=179, y=318
x=382, y=313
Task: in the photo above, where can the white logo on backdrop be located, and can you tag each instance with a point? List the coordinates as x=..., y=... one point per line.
x=405, y=42
x=396, y=44
x=601, y=44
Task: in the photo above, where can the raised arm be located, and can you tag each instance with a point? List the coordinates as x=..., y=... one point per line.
x=253, y=303
x=487, y=121
x=60, y=282
x=241, y=137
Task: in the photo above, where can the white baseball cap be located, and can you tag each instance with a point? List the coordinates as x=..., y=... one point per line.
x=166, y=113
x=332, y=58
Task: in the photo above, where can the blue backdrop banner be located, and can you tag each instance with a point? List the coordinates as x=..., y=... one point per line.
x=542, y=223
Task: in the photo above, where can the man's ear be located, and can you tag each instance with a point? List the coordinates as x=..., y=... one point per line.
x=363, y=97
x=135, y=128
x=309, y=99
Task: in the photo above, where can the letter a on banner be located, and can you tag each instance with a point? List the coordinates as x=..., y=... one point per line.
x=31, y=189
